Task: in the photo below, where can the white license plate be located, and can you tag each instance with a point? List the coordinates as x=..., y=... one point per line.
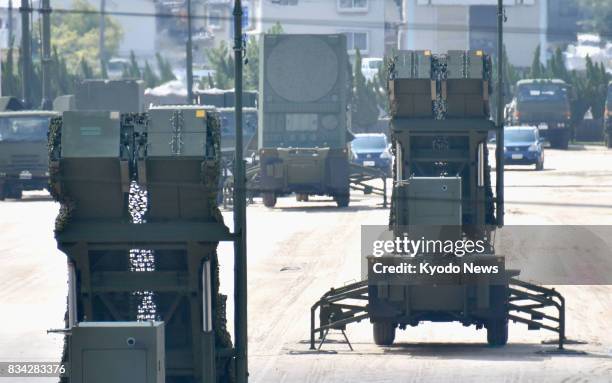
x=543, y=126
x=369, y=163
x=25, y=175
x=517, y=156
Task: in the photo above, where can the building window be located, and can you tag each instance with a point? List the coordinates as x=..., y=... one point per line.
x=352, y=5
x=214, y=19
x=357, y=40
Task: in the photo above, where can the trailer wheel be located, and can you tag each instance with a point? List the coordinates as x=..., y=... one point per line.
x=342, y=200
x=269, y=199
x=384, y=333
x=14, y=192
x=497, y=332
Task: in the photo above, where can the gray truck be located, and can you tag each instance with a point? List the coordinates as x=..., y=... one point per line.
x=544, y=103
x=23, y=152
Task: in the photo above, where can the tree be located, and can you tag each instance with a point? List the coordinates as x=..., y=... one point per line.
x=76, y=34
x=537, y=69
x=165, y=69
x=149, y=77
x=10, y=80
x=364, y=106
x=222, y=62
x=134, y=69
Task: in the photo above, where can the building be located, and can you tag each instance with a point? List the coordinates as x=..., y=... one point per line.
x=14, y=23
x=442, y=25
x=368, y=24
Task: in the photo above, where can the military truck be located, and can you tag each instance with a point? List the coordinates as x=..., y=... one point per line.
x=23, y=152
x=139, y=224
x=302, y=138
x=544, y=103
x=441, y=193
x=608, y=118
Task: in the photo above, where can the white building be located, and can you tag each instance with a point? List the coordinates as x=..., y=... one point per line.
x=442, y=25
x=367, y=23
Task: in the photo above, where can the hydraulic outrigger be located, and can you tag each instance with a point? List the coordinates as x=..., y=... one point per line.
x=452, y=136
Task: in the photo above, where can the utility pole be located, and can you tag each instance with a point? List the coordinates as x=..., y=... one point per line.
x=189, y=61
x=240, y=251
x=10, y=22
x=101, y=45
x=499, y=153
x=47, y=104
x=26, y=54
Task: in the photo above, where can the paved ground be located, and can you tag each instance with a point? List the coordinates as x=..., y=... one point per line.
x=299, y=250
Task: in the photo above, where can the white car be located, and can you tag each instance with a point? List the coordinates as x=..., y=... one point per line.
x=370, y=66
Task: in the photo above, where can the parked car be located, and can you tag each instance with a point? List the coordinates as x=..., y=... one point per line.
x=523, y=146
x=370, y=66
x=372, y=150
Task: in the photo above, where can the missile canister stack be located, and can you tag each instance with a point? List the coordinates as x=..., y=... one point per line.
x=140, y=226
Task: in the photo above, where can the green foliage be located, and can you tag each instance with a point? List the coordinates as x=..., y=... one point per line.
x=364, y=105
x=86, y=71
x=537, y=69
x=221, y=60
x=76, y=35
x=133, y=71
x=149, y=77
x=164, y=69
x=10, y=80
x=380, y=86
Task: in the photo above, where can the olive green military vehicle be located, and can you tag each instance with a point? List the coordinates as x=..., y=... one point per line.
x=608, y=118
x=303, y=135
x=139, y=224
x=544, y=103
x=441, y=193
x=124, y=96
x=23, y=152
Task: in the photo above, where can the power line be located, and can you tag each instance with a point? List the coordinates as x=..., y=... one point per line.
x=338, y=23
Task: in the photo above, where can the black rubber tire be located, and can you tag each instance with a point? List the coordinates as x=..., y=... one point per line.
x=539, y=165
x=559, y=140
x=342, y=200
x=269, y=199
x=14, y=193
x=2, y=193
x=497, y=332
x=384, y=333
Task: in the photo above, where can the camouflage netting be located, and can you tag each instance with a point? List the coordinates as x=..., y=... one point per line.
x=210, y=173
x=211, y=167
x=143, y=303
x=67, y=204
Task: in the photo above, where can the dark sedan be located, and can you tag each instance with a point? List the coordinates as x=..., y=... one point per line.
x=372, y=150
x=522, y=146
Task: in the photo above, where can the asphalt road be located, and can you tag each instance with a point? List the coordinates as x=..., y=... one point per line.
x=298, y=250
